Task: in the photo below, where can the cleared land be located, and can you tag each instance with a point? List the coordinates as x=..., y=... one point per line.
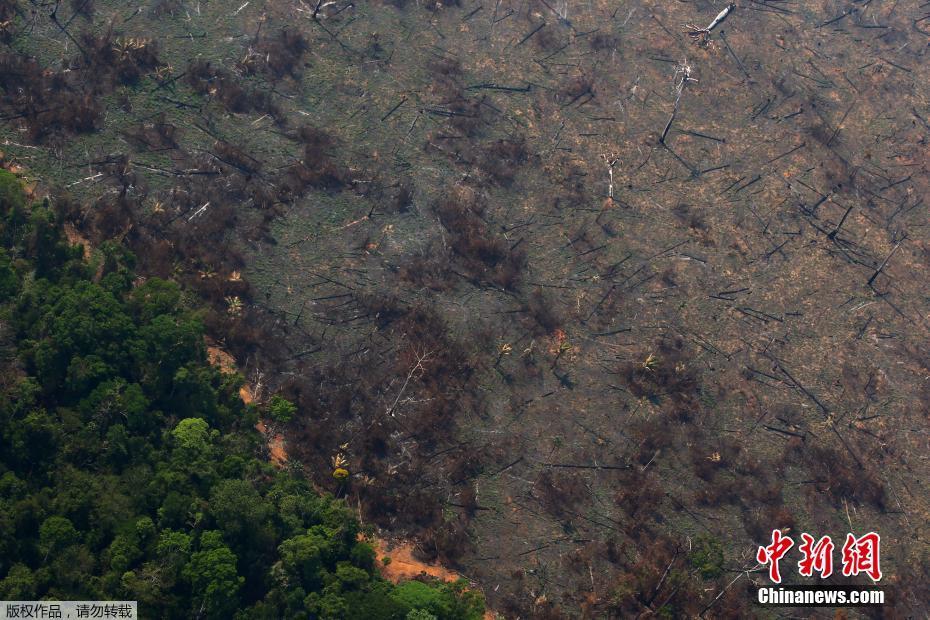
x=401, y=213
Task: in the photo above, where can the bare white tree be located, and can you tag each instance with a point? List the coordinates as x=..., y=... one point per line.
x=417, y=367
x=611, y=161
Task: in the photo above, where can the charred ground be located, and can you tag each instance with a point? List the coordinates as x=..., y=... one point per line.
x=399, y=213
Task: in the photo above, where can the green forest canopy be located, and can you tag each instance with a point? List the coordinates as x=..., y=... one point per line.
x=129, y=465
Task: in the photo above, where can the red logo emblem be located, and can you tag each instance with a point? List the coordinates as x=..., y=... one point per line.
x=860, y=555
x=817, y=557
x=773, y=553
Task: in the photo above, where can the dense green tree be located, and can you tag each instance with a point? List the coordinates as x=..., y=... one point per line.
x=214, y=576
x=13, y=213
x=55, y=534
x=193, y=438
x=19, y=584
x=80, y=336
x=154, y=297
x=32, y=440
x=117, y=267
x=9, y=282
x=11, y=193
x=418, y=595
x=129, y=468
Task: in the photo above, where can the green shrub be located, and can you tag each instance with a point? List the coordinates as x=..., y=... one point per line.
x=707, y=556
x=281, y=410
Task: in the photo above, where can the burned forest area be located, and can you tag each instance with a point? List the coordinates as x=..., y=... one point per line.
x=586, y=301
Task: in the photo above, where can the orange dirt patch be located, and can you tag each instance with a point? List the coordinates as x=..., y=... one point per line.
x=403, y=565
x=76, y=238
x=276, y=447
x=227, y=363
x=245, y=393
x=220, y=358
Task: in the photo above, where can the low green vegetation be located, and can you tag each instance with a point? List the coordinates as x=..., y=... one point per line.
x=707, y=557
x=280, y=409
x=130, y=468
